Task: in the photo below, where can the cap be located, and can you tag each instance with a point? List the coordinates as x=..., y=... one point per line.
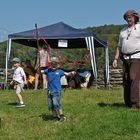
x=16, y=60
x=54, y=59
x=131, y=13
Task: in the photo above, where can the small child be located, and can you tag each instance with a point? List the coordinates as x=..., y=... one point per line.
x=19, y=79
x=54, y=75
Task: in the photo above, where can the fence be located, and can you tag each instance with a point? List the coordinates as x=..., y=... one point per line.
x=2, y=78
x=115, y=78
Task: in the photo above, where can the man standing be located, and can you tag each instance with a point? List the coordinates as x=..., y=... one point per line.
x=129, y=51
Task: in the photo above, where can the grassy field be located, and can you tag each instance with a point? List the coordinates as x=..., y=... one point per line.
x=91, y=115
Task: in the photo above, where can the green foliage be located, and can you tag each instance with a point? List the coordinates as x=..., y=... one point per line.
x=2, y=54
x=23, y=52
x=91, y=115
x=17, y=50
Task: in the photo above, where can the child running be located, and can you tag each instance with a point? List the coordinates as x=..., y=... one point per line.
x=19, y=79
x=54, y=74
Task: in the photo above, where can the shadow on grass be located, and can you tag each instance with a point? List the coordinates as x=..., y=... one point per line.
x=12, y=103
x=118, y=105
x=46, y=117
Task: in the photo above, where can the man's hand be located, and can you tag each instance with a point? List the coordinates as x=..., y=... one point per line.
x=115, y=63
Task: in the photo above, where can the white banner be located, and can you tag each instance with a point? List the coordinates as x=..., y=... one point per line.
x=63, y=43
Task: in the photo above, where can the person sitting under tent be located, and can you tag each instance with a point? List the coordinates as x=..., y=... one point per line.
x=81, y=78
x=30, y=73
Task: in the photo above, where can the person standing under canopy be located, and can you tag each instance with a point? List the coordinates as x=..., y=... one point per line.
x=41, y=64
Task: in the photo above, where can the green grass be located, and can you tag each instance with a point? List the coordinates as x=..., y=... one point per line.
x=91, y=115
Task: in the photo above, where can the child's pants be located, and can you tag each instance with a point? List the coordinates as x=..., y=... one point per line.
x=54, y=101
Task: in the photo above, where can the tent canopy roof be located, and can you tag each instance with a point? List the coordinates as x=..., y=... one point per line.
x=55, y=32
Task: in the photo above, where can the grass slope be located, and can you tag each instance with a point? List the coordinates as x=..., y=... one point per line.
x=91, y=115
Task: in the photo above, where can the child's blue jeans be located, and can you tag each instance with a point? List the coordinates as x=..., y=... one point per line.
x=54, y=101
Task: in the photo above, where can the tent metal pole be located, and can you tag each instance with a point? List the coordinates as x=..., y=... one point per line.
x=90, y=45
x=107, y=65
x=8, y=50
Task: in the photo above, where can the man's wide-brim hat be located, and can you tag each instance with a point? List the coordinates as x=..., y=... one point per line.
x=131, y=13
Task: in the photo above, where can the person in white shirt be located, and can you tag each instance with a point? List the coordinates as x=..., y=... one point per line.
x=19, y=79
x=129, y=51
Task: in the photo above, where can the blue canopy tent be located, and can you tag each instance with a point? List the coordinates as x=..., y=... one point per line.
x=61, y=32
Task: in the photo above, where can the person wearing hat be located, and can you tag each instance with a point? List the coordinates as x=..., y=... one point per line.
x=129, y=51
x=19, y=79
x=54, y=74
x=81, y=78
